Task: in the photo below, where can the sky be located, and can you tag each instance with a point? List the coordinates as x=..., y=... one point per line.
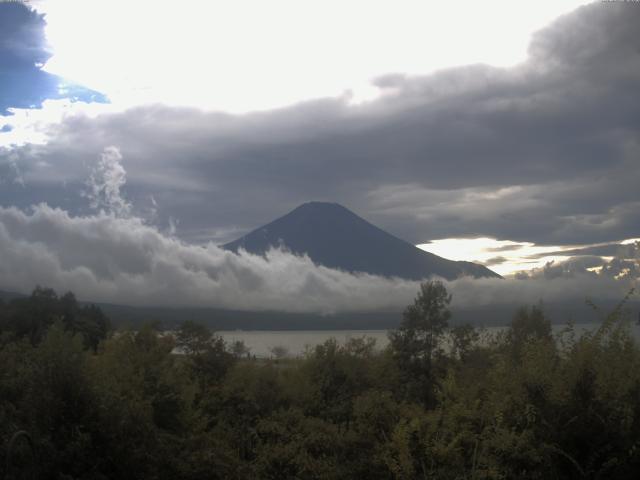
x=500, y=132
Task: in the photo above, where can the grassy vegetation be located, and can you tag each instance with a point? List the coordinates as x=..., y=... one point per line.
x=523, y=405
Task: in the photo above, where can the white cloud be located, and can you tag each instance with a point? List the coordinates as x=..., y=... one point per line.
x=105, y=184
x=105, y=258
x=123, y=260
x=468, y=293
x=36, y=126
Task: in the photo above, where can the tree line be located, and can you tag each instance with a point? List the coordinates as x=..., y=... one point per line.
x=80, y=401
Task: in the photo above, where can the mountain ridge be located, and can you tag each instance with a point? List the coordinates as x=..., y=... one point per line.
x=334, y=236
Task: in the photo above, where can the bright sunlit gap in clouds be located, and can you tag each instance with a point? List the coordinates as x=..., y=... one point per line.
x=503, y=256
x=249, y=55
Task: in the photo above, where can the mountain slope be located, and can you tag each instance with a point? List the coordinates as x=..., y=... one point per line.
x=335, y=237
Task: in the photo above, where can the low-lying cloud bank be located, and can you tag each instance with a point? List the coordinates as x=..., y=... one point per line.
x=107, y=258
x=122, y=260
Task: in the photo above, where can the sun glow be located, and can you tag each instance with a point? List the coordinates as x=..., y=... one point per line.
x=502, y=256
x=248, y=55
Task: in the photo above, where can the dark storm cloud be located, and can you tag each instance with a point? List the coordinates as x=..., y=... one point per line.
x=494, y=261
x=546, y=151
x=505, y=248
x=23, y=52
x=22, y=39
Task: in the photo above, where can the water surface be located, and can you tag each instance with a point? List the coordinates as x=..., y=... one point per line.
x=296, y=342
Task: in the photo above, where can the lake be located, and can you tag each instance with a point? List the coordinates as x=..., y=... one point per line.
x=260, y=342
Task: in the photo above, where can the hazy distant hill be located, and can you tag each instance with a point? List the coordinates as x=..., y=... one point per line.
x=221, y=319
x=6, y=296
x=335, y=237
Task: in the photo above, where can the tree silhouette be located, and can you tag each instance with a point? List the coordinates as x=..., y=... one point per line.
x=416, y=343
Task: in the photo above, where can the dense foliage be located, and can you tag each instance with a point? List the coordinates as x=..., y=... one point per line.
x=144, y=405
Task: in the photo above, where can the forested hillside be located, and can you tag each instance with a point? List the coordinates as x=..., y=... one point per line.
x=78, y=401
